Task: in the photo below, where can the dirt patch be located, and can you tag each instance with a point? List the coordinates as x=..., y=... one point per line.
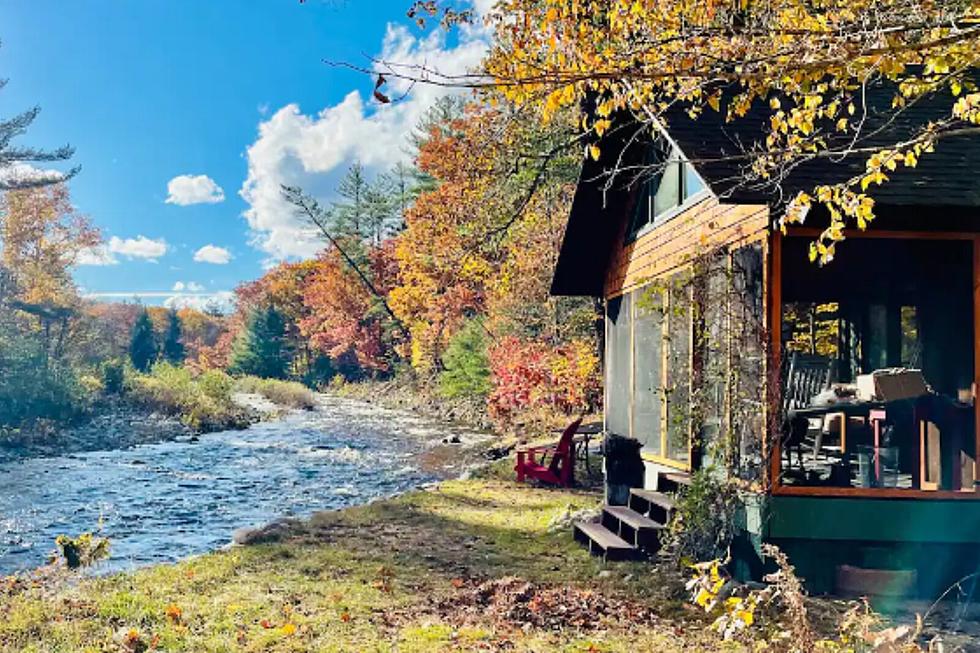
x=517, y=603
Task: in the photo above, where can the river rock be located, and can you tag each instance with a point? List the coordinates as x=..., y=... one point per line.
x=272, y=532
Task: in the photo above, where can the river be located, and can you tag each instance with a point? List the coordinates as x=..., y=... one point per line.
x=167, y=500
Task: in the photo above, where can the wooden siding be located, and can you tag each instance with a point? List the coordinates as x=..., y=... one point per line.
x=674, y=243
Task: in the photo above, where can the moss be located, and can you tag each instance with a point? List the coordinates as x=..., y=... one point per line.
x=383, y=577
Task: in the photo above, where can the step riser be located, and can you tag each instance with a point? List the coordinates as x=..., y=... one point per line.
x=607, y=553
x=641, y=538
x=654, y=511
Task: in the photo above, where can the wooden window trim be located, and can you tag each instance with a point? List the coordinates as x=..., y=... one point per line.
x=775, y=315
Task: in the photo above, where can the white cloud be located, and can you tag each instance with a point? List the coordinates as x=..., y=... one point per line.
x=140, y=247
x=212, y=254
x=15, y=173
x=294, y=148
x=98, y=255
x=185, y=190
x=223, y=300
x=190, y=286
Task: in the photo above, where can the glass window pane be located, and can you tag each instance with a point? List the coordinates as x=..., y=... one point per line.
x=648, y=369
x=618, y=365
x=667, y=195
x=692, y=182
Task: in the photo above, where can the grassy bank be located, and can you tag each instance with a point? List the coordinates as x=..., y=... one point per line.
x=205, y=402
x=471, y=565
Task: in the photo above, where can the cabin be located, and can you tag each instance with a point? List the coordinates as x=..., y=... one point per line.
x=727, y=349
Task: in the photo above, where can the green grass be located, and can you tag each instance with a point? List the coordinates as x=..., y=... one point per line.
x=396, y=575
x=282, y=393
x=202, y=402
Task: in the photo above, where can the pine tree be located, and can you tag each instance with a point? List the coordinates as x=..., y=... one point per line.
x=351, y=212
x=142, y=343
x=467, y=372
x=173, y=348
x=260, y=348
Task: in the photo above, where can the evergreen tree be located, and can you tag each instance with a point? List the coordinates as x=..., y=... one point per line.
x=467, y=372
x=142, y=343
x=351, y=212
x=173, y=348
x=260, y=348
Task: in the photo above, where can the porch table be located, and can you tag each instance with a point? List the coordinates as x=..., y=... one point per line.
x=873, y=411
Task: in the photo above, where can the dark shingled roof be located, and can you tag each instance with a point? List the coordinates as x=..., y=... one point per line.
x=946, y=178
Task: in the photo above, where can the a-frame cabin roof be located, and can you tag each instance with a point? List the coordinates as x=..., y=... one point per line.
x=947, y=177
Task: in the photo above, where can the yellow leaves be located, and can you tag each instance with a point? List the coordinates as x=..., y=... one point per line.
x=601, y=126
x=967, y=108
x=594, y=152
x=774, y=103
x=173, y=613
x=288, y=629
x=714, y=101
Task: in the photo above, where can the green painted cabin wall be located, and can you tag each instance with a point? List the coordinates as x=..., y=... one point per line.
x=939, y=539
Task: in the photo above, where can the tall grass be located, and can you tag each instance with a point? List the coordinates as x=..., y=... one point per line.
x=281, y=393
x=203, y=402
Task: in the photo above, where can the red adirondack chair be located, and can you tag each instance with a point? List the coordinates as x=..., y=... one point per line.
x=532, y=461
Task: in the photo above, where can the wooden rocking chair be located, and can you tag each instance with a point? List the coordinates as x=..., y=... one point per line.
x=532, y=461
x=804, y=376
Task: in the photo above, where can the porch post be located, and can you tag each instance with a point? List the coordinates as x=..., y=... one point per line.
x=774, y=294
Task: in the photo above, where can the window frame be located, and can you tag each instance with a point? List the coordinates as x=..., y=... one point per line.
x=646, y=194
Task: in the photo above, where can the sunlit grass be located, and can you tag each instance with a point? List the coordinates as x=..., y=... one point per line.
x=370, y=578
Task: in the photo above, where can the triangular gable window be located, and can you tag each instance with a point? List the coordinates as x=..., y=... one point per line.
x=674, y=185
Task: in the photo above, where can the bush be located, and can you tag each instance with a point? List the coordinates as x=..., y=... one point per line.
x=533, y=381
x=467, y=371
x=703, y=525
x=113, y=376
x=282, y=393
x=32, y=389
x=203, y=403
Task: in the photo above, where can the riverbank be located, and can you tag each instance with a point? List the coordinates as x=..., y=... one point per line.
x=409, y=394
x=478, y=564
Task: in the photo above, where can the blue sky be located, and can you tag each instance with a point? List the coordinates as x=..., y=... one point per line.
x=152, y=90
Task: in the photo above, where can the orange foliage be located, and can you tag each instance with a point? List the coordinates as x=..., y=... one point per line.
x=343, y=320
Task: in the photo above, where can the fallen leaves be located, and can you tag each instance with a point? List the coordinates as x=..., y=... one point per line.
x=519, y=603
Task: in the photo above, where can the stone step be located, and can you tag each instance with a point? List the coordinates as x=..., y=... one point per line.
x=602, y=541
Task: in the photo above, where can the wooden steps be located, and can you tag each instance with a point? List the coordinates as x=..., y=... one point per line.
x=655, y=505
x=633, y=531
x=670, y=482
x=602, y=541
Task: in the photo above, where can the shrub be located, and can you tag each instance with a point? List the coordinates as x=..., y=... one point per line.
x=467, y=372
x=703, y=525
x=33, y=388
x=282, y=393
x=203, y=403
x=112, y=372
x=532, y=379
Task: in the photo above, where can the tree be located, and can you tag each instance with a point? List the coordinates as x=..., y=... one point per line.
x=259, y=349
x=16, y=171
x=42, y=236
x=791, y=76
x=142, y=343
x=173, y=346
x=467, y=372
